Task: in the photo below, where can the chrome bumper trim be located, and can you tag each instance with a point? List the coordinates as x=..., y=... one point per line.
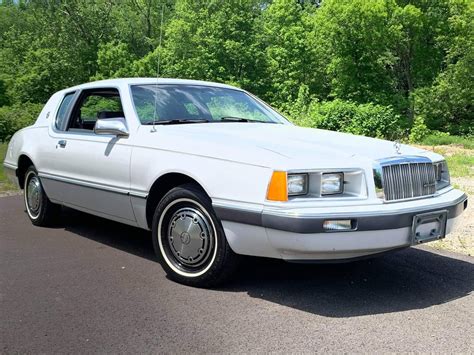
x=314, y=224
x=92, y=185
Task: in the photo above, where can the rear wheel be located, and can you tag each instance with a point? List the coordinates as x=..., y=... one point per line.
x=189, y=239
x=40, y=209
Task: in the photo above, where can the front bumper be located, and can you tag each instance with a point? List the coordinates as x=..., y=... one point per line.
x=298, y=233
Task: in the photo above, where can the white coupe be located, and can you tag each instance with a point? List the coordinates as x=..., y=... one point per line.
x=215, y=173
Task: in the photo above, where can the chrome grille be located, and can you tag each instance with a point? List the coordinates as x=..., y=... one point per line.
x=408, y=180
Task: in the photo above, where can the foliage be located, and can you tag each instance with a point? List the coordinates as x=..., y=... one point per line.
x=213, y=40
x=346, y=116
x=93, y=105
x=352, y=39
x=3, y=94
x=419, y=130
x=449, y=103
x=113, y=60
x=412, y=59
x=284, y=37
x=13, y=118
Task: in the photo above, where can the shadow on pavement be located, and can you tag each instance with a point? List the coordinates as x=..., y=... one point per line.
x=400, y=281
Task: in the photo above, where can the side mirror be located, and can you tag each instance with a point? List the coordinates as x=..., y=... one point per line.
x=115, y=126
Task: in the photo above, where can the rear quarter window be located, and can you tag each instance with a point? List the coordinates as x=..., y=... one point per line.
x=63, y=111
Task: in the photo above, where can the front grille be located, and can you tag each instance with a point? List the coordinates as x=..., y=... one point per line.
x=408, y=180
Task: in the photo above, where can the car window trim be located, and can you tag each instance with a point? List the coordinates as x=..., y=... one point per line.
x=130, y=86
x=77, y=99
x=66, y=120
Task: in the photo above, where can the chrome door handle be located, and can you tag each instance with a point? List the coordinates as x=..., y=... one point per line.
x=62, y=143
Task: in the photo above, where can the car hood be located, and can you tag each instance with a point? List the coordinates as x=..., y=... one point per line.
x=282, y=146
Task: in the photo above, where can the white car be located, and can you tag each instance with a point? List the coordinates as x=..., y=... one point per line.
x=215, y=173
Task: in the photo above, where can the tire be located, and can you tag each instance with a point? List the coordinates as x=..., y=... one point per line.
x=189, y=240
x=40, y=210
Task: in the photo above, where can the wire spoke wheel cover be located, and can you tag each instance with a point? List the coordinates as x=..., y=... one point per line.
x=187, y=237
x=33, y=195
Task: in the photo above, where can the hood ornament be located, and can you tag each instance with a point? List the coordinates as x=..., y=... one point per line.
x=397, y=145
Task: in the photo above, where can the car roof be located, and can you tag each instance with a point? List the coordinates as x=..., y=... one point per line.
x=144, y=81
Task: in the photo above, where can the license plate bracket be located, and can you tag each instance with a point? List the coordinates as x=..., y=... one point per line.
x=429, y=226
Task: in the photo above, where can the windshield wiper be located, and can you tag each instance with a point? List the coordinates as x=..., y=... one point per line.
x=202, y=120
x=241, y=119
x=177, y=121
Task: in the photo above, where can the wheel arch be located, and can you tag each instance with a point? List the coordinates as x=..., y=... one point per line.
x=162, y=185
x=24, y=162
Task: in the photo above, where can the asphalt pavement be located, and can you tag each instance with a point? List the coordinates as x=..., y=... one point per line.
x=89, y=285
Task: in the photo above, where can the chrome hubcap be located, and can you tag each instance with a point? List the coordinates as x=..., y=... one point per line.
x=190, y=237
x=33, y=195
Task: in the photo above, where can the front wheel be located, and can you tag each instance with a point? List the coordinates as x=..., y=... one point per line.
x=40, y=210
x=189, y=239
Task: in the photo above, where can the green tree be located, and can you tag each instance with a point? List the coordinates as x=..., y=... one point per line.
x=447, y=105
x=214, y=40
x=353, y=41
x=3, y=94
x=412, y=58
x=419, y=25
x=289, y=64
x=114, y=60
x=49, y=45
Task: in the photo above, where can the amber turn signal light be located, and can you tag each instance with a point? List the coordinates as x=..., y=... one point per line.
x=278, y=187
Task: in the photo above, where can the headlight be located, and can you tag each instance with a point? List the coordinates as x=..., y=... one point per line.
x=332, y=183
x=297, y=184
x=442, y=174
x=313, y=184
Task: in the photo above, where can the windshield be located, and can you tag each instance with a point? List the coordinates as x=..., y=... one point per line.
x=195, y=103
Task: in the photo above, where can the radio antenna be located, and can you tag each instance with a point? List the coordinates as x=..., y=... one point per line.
x=153, y=129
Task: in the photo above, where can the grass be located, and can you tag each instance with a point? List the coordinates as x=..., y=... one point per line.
x=437, y=140
x=461, y=170
x=460, y=160
x=461, y=165
x=5, y=185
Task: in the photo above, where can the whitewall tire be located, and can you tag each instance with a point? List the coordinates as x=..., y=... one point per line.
x=189, y=240
x=40, y=209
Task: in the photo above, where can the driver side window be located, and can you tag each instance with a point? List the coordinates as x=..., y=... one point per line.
x=93, y=105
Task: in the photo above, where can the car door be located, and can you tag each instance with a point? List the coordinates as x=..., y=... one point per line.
x=85, y=170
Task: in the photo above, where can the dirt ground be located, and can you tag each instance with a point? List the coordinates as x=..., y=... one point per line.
x=462, y=239
x=10, y=193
